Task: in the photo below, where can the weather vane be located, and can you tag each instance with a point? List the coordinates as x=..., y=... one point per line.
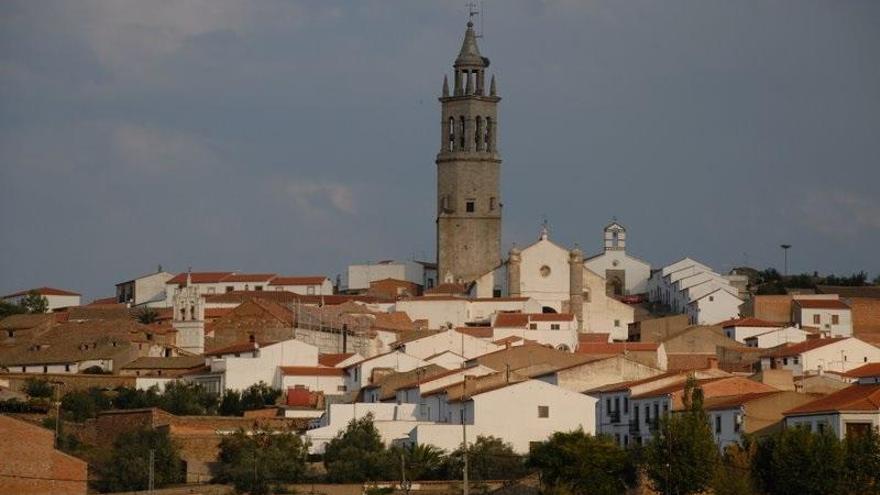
x=475, y=9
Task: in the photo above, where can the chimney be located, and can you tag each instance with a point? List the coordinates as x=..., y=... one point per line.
x=712, y=362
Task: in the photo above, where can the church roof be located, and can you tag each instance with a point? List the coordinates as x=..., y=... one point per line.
x=470, y=52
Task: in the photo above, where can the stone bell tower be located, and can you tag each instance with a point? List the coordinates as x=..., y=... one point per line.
x=468, y=170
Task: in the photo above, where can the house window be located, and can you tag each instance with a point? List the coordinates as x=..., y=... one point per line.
x=533, y=326
x=545, y=271
x=258, y=287
x=310, y=290
x=617, y=323
x=543, y=411
x=796, y=360
x=718, y=424
x=617, y=403
x=835, y=319
x=469, y=206
x=492, y=203
x=608, y=405
x=45, y=369
x=785, y=361
x=10, y=333
x=647, y=413
x=211, y=290
x=496, y=291
x=737, y=421
x=656, y=410
x=66, y=367
x=816, y=320
x=554, y=326
x=711, y=298
x=626, y=405
x=821, y=426
x=229, y=288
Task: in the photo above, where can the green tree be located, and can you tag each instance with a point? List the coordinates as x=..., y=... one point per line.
x=126, y=467
x=38, y=388
x=258, y=396
x=576, y=462
x=733, y=475
x=423, y=461
x=256, y=462
x=9, y=309
x=34, y=302
x=188, y=399
x=862, y=461
x=357, y=454
x=147, y=315
x=489, y=458
x=132, y=398
x=796, y=461
x=230, y=404
x=80, y=405
x=682, y=457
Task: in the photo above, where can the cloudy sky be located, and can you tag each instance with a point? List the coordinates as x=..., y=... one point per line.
x=299, y=137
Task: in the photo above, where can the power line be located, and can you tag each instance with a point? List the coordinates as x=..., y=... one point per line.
x=40, y=478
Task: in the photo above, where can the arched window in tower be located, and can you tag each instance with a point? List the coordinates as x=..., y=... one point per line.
x=450, y=142
x=461, y=142
x=192, y=312
x=478, y=134
x=615, y=239
x=488, y=135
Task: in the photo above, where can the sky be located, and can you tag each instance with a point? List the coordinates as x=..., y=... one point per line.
x=300, y=137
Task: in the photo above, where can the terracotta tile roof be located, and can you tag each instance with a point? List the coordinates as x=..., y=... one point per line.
x=293, y=280
x=801, y=347
x=238, y=348
x=593, y=337
x=26, y=320
x=511, y=320
x=478, y=332
x=332, y=360
x=449, y=288
x=304, y=398
x=855, y=398
x=868, y=291
x=621, y=386
x=750, y=322
x=166, y=363
x=615, y=347
x=528, y=355
x=868, y=370
x=821, y=303
x=199, y=278
x=729, y=401
x=550, y=317
x=311, y=371
x=714, y=387
x=283, y=296
x=249, y=277
x=43, y=291
x=102, y=301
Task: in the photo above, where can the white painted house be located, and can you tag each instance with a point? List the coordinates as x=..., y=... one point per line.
x=832, y=316
x=777, y=337
x=445, y=341
x=55, y=298
x=740, y=329
x=239, y=366
x=852, y=410
x=360, y=374
x=421, y=273
x=210, y=283
x=690, y=287
x=558, y=330
x=446, y=311
x=519, y=413
x=147, y=289
x=814, y=355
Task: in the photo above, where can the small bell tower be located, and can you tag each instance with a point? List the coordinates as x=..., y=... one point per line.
x=189, y=317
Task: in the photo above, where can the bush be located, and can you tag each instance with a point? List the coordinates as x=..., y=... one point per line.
x=80, y=405
x=489, y=458
x=261, y=460
x=38, y=388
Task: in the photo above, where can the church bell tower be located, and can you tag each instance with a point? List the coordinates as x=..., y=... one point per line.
x=468, y=170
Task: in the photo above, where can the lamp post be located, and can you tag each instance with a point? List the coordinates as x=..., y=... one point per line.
x=785, y=248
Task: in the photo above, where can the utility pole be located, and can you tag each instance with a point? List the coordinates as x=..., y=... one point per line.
x=785, y=248
x=152, y=479
x=464, y=445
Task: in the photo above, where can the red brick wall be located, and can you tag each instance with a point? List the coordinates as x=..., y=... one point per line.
x=29, y=465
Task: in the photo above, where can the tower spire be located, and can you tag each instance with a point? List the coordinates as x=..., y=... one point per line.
x=445, y=86
x=492, y=91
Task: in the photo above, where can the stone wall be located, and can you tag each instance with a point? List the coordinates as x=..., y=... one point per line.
x=69, y=381
x=330, y=341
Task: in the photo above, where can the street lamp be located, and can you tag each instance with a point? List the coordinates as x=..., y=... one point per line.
x=785, y=248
